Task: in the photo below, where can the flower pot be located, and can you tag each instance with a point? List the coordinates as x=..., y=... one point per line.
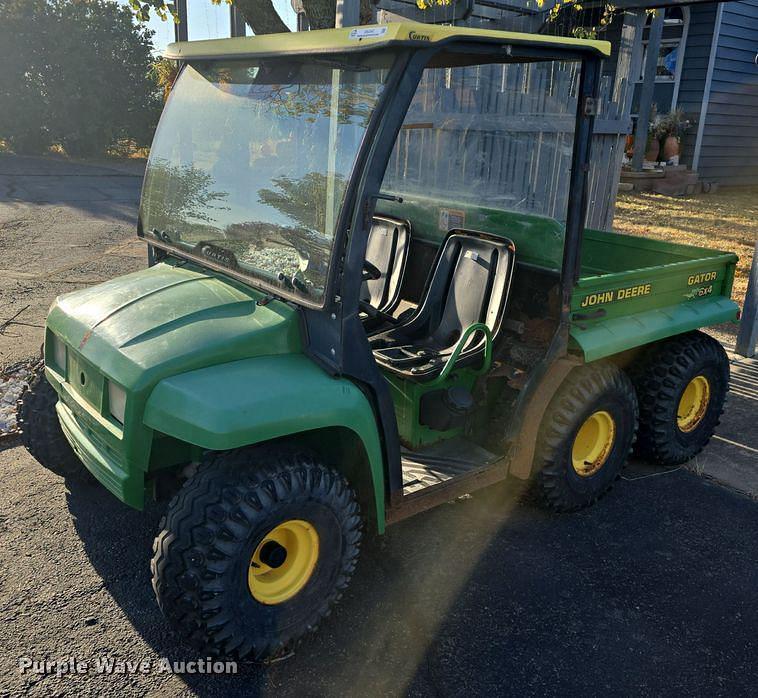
x=629, y=146
x=670, y=147
x=653, y=148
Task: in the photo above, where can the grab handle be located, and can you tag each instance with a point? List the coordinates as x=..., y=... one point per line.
x=486, y=363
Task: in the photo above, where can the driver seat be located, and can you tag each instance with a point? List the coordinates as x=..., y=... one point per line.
x=387, y=250
x=469, y=284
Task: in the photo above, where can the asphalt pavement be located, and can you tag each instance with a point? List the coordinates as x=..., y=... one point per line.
x=650, y=592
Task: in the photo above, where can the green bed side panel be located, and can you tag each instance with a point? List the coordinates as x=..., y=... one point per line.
x=254, y=400
x=539, y=239
x=611, y=336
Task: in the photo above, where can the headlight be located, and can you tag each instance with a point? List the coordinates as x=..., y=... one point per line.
x=59, y=353
x=116, y=401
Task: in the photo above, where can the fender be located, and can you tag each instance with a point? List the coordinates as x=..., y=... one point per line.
x=254, y=400
x=600, y=339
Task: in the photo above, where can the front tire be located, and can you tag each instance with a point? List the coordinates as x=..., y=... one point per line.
x=255, y=550
x=41, y=431
x=681, y=386
x=585, y=436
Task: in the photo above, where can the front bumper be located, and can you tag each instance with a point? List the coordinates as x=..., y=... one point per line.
x=105, y=462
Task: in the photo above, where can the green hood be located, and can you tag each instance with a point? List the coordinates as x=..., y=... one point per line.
x=165, y=320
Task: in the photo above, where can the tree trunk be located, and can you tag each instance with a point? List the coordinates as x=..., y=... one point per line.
x=262, y=17
x=320, y=13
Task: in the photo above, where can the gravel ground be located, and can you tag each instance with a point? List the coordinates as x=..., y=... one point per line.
x=63, y=226
x=651, y=592
x=13, y=382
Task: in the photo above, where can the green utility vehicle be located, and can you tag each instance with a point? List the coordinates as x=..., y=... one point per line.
x=369, y=292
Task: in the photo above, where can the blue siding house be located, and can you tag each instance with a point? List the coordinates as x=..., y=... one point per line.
x=707, y=66
x=723, y=93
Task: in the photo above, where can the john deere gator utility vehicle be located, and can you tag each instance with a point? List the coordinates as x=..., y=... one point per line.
x=369, y=291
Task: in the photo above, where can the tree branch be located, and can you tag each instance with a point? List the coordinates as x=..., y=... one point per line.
x=262, y=17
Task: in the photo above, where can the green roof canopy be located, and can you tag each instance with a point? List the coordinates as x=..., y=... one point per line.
x=364, y=38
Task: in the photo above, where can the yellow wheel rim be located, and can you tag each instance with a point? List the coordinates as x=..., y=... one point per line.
x=593, y=443
x=693, y=403
x=283, y=562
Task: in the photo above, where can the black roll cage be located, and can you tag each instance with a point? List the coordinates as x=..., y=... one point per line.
x=334, y=335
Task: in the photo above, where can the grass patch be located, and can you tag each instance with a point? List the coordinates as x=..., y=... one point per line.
x=727, y=220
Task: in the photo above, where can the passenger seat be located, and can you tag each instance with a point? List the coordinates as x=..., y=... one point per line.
x=469, y=284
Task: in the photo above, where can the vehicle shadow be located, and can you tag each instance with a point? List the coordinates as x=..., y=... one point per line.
x=9, y=441
x=492, y=595
x=378, y=635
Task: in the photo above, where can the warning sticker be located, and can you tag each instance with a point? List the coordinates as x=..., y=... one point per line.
x=451, y=218
x=367, y=33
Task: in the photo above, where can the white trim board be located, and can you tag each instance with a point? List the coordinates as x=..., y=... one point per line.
x=707, y=87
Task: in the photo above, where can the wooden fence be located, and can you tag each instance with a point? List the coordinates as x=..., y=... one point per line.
x=503, y=133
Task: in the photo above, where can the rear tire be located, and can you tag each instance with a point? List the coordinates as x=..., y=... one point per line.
x=585, y=437
x=41, y=431
x=675, y=427
x=209, y=554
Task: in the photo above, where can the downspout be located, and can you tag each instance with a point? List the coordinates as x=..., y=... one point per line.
x=707, y=87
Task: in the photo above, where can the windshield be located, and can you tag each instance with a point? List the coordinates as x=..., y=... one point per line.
x=250, y=163
x=488, y=146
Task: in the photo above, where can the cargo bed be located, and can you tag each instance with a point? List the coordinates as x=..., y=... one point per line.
x=632, y=290
x=635, y=290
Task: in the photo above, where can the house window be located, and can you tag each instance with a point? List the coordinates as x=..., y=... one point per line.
x=674, y=16
x=670, y=59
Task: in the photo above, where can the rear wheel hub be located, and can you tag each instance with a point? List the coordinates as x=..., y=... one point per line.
x=693, y=404
x=593, y=443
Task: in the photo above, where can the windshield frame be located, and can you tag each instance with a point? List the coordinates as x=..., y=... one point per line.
x=158, y=250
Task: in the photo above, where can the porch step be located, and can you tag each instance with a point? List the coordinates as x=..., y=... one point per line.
x=671, y=180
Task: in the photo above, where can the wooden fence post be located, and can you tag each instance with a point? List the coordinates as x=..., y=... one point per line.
x=747, y=337
x=237, y=26
x=600, y=214
x=348, y=13
x=648, y=86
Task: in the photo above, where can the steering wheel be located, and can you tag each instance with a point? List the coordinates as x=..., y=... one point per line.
x=373, y=312
x=370, y=272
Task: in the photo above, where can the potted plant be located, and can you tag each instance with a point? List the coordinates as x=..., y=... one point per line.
x=652, y=147
x=667, y=130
